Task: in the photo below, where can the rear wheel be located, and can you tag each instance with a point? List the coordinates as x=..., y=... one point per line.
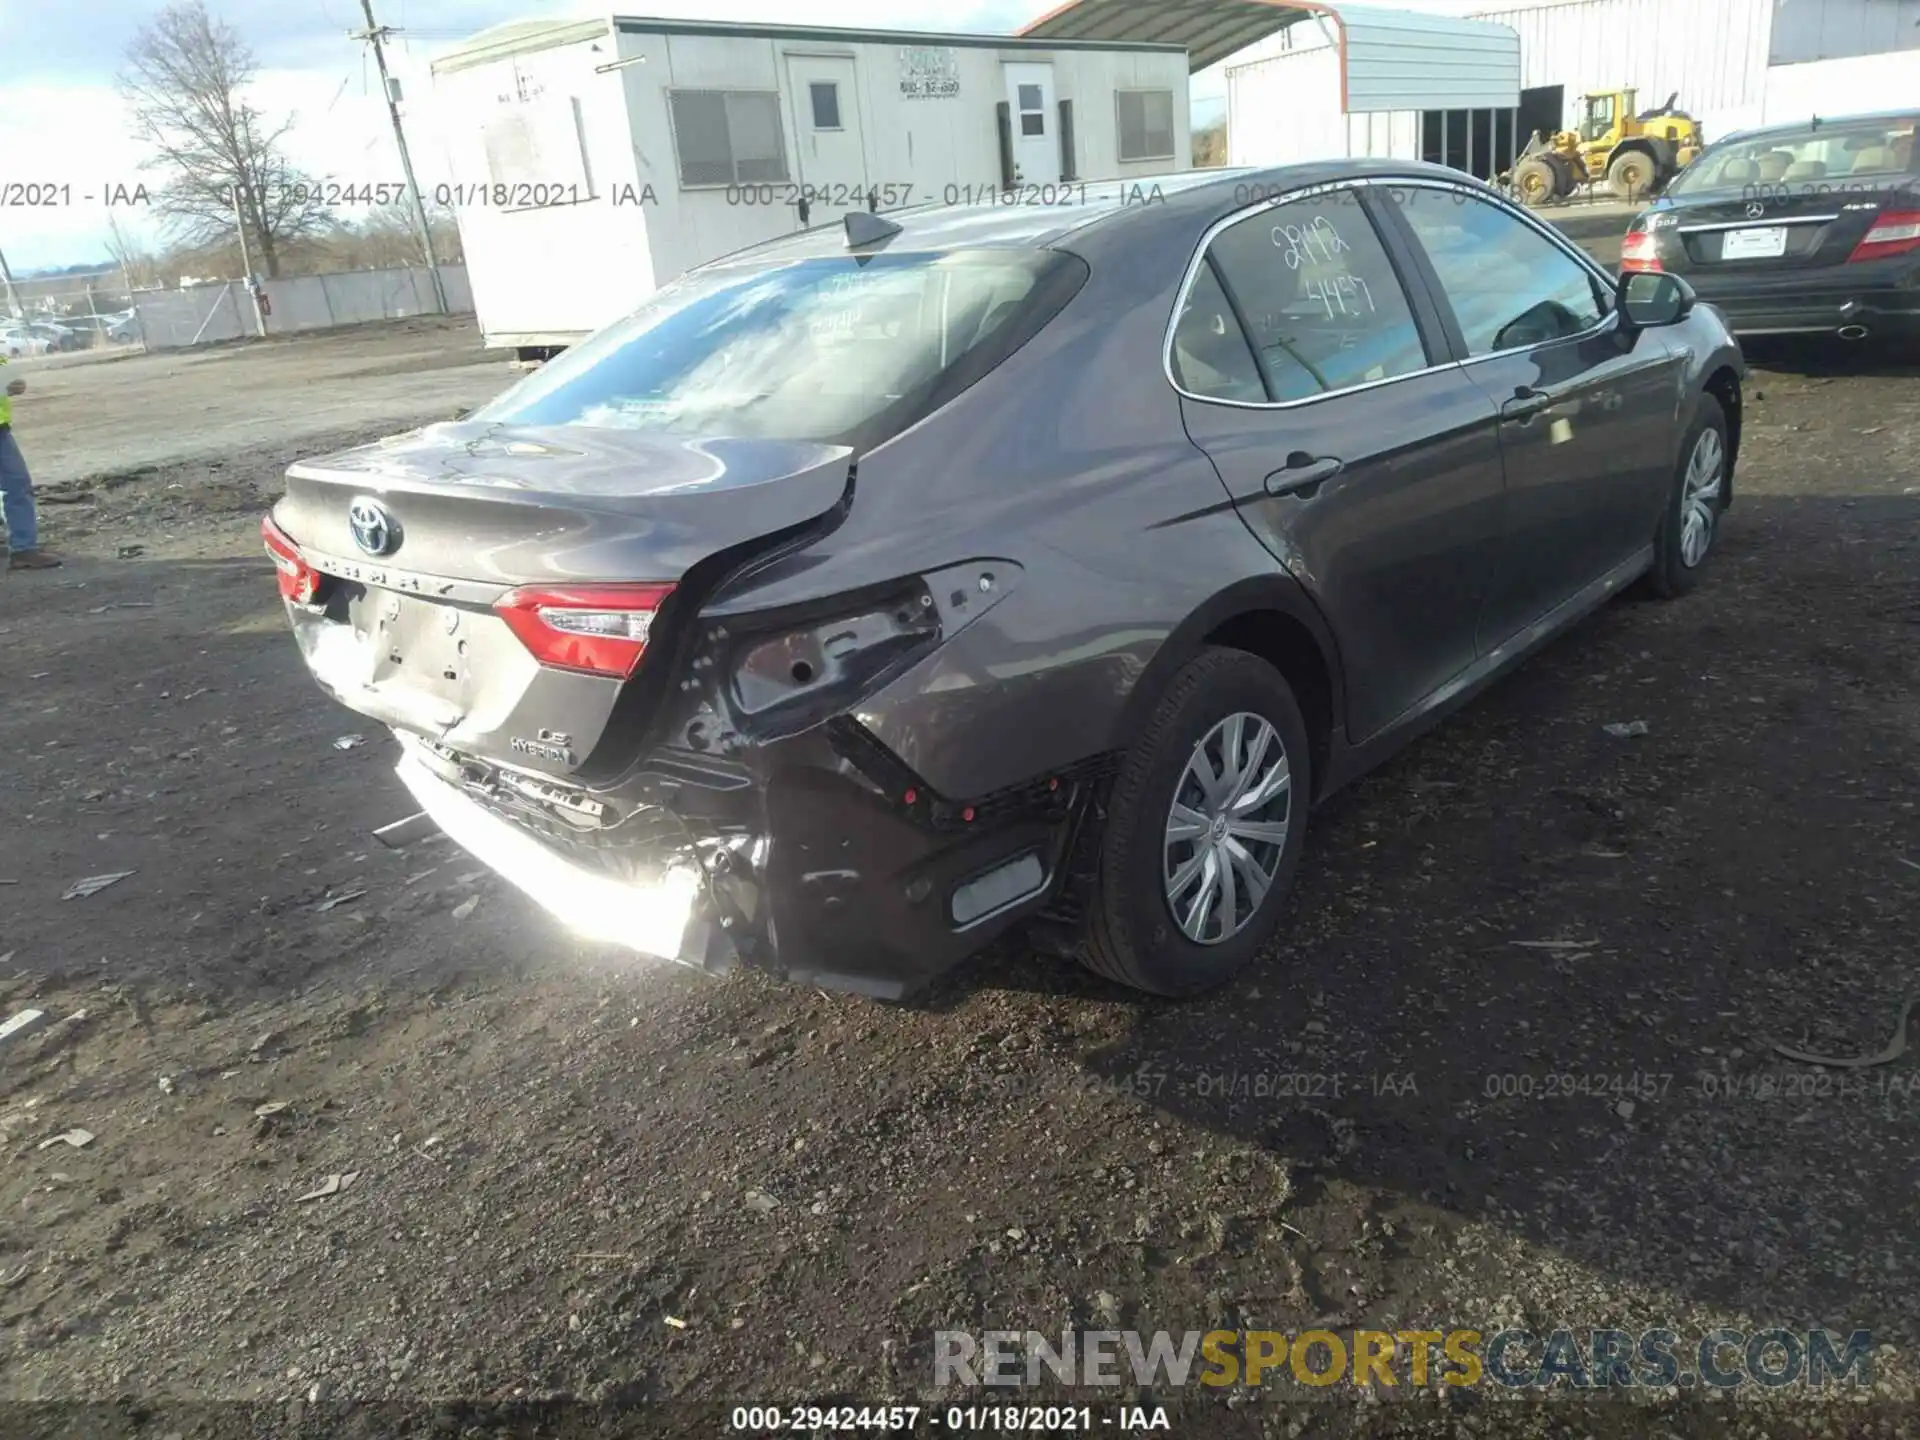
x=1701, y=491
x=1204, y=831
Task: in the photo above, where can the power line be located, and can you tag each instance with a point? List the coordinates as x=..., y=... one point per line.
x=377, y=34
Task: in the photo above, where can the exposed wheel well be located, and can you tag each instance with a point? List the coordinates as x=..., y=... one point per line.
x=1287, y=645
x=1724, y=386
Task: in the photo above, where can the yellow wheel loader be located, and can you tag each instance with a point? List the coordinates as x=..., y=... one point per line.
x=1637, y=154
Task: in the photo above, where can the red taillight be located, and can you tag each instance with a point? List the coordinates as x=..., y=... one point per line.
x=299, y=581
x=1640, y=252
x=598, y=629
x=1896, y=232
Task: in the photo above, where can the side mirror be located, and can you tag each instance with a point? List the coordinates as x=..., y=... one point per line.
x=1649, y=299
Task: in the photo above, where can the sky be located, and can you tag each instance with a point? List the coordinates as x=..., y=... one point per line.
x=63, y=124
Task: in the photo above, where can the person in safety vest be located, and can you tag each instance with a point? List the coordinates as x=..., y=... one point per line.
x=16, y=492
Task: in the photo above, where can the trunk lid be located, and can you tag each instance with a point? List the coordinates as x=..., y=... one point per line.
x=515, y=505
x=423, y=535
x=1760, y=232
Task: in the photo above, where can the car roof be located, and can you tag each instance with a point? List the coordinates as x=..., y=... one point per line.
x=1821, y=122
x=1057, y=210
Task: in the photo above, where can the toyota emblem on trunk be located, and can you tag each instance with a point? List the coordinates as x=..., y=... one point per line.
x=1755, y=210
x=374, y=529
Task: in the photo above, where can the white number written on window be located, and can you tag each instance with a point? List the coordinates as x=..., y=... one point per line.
x=1314, y=243
x=1342, y=295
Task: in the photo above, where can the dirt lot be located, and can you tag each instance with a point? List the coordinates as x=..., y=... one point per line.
x=125, y=412
x=560, y=1152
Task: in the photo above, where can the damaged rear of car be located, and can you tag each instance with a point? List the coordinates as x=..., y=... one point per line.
x=576, y=609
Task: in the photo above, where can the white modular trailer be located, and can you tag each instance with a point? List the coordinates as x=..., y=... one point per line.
x=593, y=161
x=1732, y=64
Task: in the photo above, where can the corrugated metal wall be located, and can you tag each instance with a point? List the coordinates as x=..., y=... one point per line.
x=1857, y=85
x=1807, y=30
x=1714, y=52
x=1286, y=109
x=1411, y=61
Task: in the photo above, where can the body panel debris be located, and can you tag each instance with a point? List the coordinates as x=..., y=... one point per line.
x=332, y=1185
x=94, y=884
x=19, y=1021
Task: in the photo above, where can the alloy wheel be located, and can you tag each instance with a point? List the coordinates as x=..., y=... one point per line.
x=1700, y=499
x=1227, y=828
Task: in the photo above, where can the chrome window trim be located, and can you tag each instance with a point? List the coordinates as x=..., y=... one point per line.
x=1761, y=224
x=1307, y=191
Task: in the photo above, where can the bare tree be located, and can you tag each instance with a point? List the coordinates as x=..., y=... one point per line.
x=137, y=266
x=215, y=152
x=387, y=237
x=1210, y=145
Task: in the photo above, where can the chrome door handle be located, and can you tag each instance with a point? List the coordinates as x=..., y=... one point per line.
x=1304, y=475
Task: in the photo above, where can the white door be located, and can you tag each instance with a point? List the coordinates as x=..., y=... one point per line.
x=1034, y=120
x=827, y=139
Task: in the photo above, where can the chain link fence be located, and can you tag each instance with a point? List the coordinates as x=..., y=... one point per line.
x=224, y=310
x=51, y=318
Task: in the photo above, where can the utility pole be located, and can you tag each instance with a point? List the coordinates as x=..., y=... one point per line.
x=246, y=260
x=6, y=278
x=376, y=34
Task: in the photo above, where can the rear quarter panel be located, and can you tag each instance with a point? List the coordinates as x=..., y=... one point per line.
x=1070, y=467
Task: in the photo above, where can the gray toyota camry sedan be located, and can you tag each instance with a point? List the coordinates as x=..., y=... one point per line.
x=876, y=591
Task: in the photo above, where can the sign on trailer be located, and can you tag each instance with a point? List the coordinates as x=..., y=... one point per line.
x=928, y=73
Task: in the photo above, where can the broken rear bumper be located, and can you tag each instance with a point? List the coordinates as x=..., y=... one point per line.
x=819, y=861
x=666, y=913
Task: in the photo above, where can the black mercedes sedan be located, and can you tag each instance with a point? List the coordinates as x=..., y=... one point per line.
x=875, y=591
x=1812, y=228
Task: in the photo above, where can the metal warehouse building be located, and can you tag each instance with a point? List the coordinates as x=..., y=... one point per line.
x=1303, y=79
x=1732, y=64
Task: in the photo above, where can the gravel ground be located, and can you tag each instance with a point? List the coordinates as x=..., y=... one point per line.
x=558, y=1151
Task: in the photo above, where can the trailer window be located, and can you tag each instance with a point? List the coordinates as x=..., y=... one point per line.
x=826, y=104
x=728, y=137
x=832, y=349
x=1145, y=119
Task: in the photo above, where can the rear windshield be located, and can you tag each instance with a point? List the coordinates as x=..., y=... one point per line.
x=836, y=349
x=1832, y=156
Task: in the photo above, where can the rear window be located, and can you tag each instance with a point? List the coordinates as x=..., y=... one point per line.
x=836, y=349
x=1809, y=162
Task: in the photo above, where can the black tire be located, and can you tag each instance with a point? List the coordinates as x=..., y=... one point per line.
x=1672, y=575
x=1633, y=173
x=1131, y=935
x=1536, y=181
x=1567, y=180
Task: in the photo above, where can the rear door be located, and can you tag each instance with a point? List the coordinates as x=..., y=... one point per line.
x=827, y=135
x=1588, y=412
x=1317, y=381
